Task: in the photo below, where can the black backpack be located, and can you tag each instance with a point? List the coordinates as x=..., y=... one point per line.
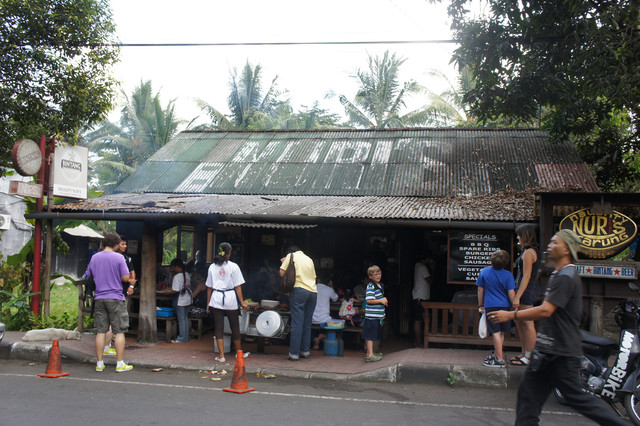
x=89, y=295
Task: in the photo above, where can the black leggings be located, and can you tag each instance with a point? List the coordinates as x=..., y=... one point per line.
x=234, y=323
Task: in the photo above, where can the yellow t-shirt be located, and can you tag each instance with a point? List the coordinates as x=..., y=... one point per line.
x=305, y=271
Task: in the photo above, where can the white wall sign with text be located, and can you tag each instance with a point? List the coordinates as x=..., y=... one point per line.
x=70, y=171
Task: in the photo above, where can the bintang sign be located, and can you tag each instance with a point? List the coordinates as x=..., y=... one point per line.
x=603, y=235
x=70, y=171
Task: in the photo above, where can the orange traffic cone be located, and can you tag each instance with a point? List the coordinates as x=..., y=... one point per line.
x=54, y=368
x=239, y=381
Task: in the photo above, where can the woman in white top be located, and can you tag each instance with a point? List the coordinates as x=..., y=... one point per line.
x=181, y=288
x=224, y=289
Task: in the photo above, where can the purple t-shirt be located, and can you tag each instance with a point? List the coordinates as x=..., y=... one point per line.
x=107, y=269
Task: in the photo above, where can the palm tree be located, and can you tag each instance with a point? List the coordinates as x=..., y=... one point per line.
x=448, y=108
x=144, y=127
x=251, y=107
x=381, y=97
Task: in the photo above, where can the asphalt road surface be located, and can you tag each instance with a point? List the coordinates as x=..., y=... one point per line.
x=169, y=397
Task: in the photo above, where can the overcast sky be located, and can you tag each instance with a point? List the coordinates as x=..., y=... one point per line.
x=307, y=72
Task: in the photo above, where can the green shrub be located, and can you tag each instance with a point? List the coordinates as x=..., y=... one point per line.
x=16, y=310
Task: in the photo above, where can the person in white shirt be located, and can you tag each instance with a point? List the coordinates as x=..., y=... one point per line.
x=322, y=313
x=224, y=290
x=421, y=293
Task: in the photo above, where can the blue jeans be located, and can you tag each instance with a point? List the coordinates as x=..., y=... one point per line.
x=182, y=313
x=303, y=303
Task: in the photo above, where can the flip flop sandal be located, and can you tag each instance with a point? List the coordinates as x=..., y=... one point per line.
x=516, y=358
x=520, y=361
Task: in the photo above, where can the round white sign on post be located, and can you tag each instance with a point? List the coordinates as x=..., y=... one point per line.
x=26, y=157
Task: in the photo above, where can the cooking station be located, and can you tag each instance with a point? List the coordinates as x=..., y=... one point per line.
x=265, y=322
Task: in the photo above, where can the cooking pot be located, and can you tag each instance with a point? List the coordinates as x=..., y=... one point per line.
x=270, y=324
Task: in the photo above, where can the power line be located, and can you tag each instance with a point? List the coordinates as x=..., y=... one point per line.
x=288, y=43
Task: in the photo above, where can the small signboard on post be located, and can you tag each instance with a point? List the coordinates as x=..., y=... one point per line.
x=70, y=177
x=25, y=189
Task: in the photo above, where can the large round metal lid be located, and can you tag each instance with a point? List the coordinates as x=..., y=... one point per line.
x=269, y=323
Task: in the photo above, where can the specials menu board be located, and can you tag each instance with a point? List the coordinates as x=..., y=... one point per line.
x=470, y=252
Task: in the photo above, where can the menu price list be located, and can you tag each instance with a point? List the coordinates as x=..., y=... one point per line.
x=470, y=252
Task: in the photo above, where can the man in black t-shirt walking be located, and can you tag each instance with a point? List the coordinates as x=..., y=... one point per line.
x=556, y=358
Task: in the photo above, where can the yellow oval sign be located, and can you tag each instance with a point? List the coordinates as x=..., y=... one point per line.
x=603, y=235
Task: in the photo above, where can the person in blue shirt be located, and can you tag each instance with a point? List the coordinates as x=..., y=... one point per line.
x=496, y=290
x=374, y=313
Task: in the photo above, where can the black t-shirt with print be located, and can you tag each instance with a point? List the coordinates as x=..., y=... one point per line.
x=560, y=333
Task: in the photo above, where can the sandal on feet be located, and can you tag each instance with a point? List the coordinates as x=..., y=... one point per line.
x=521, y=361
x=516, y=358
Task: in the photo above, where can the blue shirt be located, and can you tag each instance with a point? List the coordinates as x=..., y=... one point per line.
x=496, y=284
x=374, y=292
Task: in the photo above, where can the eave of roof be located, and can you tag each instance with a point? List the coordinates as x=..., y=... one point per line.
x=502, y=206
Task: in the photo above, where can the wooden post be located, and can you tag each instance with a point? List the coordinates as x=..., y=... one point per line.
x=596, y=318
x=147, y=323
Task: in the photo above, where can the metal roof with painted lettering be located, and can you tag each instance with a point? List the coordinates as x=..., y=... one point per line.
x=389, y=163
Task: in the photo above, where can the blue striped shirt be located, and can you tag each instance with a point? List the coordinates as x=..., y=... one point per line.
x=374, y=311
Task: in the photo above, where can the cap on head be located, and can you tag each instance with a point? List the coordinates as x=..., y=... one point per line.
x=572, y=240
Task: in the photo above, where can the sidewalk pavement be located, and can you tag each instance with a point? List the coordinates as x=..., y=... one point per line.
x=432, y=365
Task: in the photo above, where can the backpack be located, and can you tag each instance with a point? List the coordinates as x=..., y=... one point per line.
x=89, y=295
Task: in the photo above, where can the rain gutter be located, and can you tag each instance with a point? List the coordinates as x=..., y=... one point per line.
x=292, y=219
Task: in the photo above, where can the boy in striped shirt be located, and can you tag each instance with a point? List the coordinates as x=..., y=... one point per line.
x=374, y=313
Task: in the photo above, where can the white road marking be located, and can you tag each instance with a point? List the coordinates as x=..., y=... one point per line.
x=290, y=395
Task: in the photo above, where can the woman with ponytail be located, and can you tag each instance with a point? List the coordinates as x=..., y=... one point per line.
x=224, y=290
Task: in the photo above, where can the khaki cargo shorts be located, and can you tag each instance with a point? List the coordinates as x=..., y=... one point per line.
x=111, y=312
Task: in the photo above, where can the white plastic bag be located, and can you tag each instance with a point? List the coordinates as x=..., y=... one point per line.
x=482, y=326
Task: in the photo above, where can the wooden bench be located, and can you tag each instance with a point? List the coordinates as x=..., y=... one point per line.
x=195, y=326
x=457, y=323
x=170, y=327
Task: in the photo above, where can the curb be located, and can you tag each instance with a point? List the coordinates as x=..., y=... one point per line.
x=402, y=372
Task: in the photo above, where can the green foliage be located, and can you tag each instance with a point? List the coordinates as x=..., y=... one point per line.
x=14, y=273
x=571, y=64
x=67, y=320
x=451, y=379
x=381, y=97
x=117, y=149
x=54, y=68
x=16, y=309
x=169, y=245
x=251, y=106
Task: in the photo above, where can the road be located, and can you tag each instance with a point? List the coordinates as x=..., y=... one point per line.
x=143, y=397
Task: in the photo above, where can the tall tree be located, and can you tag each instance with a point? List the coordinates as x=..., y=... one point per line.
x=145, y=126
x=574, y=63
x=251, y=106
x=381, y=97
x=55, y=65
x=447, y=108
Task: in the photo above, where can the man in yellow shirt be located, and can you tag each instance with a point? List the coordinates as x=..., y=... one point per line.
x=302, y=302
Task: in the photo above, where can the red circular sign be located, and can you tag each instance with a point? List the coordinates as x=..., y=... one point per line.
x=26, y=157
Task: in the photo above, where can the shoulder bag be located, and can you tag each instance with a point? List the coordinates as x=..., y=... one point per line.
x=289, y=277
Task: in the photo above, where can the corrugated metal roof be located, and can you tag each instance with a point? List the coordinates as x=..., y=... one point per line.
x=500, y=206
x=390, y=163
x=266, y=225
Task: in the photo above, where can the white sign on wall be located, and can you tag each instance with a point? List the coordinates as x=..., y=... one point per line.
x=607, y=271
x=70, y=171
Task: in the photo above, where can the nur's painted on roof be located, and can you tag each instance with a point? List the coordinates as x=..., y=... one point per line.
x=403, y=162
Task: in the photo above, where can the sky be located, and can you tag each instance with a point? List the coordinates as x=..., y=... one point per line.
x=307, y=72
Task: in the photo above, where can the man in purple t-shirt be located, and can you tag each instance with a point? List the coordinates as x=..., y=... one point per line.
x=109, y=270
